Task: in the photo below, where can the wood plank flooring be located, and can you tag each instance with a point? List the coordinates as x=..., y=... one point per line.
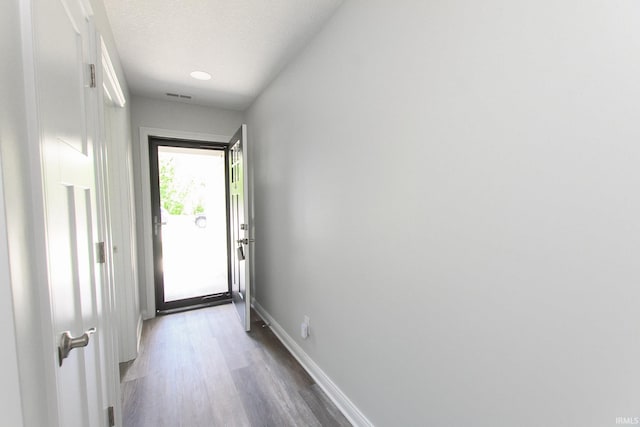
x=199, y=368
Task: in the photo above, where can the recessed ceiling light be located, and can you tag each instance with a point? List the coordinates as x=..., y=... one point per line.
x=200, y=75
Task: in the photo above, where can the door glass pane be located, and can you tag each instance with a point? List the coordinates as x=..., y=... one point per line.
x=194, y=222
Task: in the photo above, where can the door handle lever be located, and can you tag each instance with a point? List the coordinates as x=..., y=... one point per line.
x=68, y=343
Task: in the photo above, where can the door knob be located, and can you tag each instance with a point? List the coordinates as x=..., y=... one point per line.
x=68, y=343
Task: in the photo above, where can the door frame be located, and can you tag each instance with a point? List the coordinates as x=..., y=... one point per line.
x=145, y=236
x=154, y=143
x=109, y=91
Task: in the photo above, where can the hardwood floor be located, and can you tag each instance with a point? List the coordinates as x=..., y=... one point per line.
x=199, y=368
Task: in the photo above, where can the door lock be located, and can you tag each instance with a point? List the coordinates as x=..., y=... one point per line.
x=246, y=241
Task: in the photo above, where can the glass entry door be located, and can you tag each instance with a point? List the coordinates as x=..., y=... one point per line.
x=190, y=223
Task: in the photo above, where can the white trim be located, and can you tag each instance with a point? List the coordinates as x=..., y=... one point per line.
x=113, y=306
x=10, y=385
x=110, y=81
x=149, y=311
x=252, y=216
x=139, y=333
x=348, y=408
x=119, y=180
x=182, y=134
x=86, y=8
x=247, y=211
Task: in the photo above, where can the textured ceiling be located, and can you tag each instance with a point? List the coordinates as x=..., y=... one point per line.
x=243, y=44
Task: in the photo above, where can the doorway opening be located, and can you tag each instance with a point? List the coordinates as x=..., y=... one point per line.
x=190, y=203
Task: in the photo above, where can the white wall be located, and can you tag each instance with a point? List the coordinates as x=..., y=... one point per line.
x=449, y=189
x=170, y=117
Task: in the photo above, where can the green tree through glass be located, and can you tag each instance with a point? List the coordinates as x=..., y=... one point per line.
x=172, y=194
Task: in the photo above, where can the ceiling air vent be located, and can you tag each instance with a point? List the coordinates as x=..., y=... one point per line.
x=177, y=95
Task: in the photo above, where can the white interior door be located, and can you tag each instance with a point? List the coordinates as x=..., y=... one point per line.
x=241, y=242
x=63, y=43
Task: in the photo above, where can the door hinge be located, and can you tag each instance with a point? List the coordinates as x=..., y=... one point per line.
x=112, y=416
x=100, y=253
x=92, y=75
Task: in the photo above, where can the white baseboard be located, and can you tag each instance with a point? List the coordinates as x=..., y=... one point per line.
x=146, y=315
x=138, y=335
x=350, y=411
